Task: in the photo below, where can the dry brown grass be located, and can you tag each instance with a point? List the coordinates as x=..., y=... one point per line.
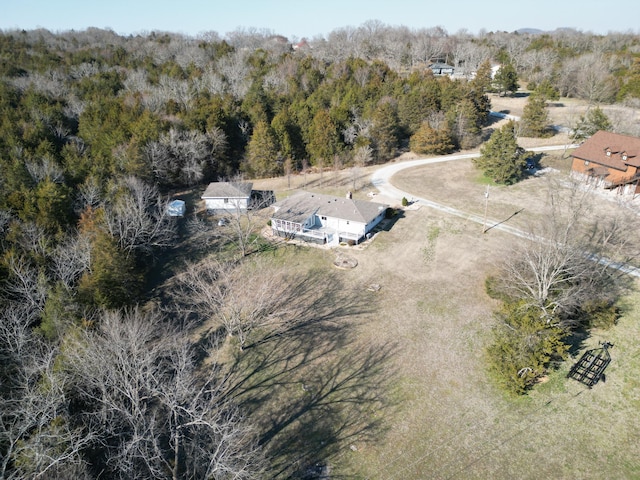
x=452, y=423
x=567, y=112
x=448, y=420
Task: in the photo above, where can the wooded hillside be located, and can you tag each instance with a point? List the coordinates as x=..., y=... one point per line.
x=97, y=129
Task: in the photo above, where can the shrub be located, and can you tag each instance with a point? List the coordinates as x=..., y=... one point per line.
x=492, y=287
x=405, y=202
x=600, y=314
x=523, y=348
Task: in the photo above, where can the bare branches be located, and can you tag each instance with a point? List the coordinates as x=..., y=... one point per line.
x=70, y=259
x=157, y=417
x=25, y=285
x=182, y=156
x=36, y=438
x=241, y=297
x=136, y=217
x=565, y=262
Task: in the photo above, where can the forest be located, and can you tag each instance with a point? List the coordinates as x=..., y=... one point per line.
x=97, y=130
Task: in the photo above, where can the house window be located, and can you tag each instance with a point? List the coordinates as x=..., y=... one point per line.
x=586, y=162
x=226, y=200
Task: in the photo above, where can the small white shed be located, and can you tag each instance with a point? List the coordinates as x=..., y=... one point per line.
x=227, y=197
x=176, y=208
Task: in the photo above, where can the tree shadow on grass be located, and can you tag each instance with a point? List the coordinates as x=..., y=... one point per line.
x=576, y=341
x=341, y=402
x=309, y=387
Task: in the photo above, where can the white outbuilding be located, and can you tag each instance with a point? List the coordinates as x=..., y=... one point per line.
x=227, y=197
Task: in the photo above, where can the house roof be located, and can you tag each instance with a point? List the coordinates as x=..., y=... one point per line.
x=228, y=190
x=439, y=65
x=297, y=208
x=623, y=150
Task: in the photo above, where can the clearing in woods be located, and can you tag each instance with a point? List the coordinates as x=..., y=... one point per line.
x=443, y=417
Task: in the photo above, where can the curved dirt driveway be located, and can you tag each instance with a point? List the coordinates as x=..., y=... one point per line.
x=381, y=179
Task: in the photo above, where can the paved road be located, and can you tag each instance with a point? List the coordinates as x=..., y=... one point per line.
x=381, y=179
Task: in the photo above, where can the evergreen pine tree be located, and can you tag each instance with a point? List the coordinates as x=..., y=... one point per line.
x=428, y=140
x=324, y=140
x=262, y=152
x=506, y=79
x=385, y=131
x=535, y=118
x=593, y=121
x=501, y=159
x=482, y=80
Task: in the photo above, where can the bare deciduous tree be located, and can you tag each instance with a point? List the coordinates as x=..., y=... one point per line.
x=43, y=169
x=235, y=72
x=5, y=221
x=32, y=238
x=594, y=81
x=241, y=297
x=89, y=194
x=182, y=156
x=241, y=228
x=210, y=81
x=362, y=156
x=136, y=217
x=37, y=439
x=570, y=259
x=358, y=128
x=70, y=259
x=426, y=47
x=25, y=285
x=156, y=415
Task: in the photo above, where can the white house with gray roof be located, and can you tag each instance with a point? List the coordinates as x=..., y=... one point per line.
x=322, y=218
x=227, y=197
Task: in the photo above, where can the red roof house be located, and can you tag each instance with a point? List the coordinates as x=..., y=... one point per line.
x=609, y=160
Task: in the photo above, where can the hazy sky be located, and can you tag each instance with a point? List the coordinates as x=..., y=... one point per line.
x=307, y=18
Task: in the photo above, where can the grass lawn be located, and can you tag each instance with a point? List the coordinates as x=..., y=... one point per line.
x=392, y=383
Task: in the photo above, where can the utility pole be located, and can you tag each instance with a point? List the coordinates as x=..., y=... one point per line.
x=486, y=206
